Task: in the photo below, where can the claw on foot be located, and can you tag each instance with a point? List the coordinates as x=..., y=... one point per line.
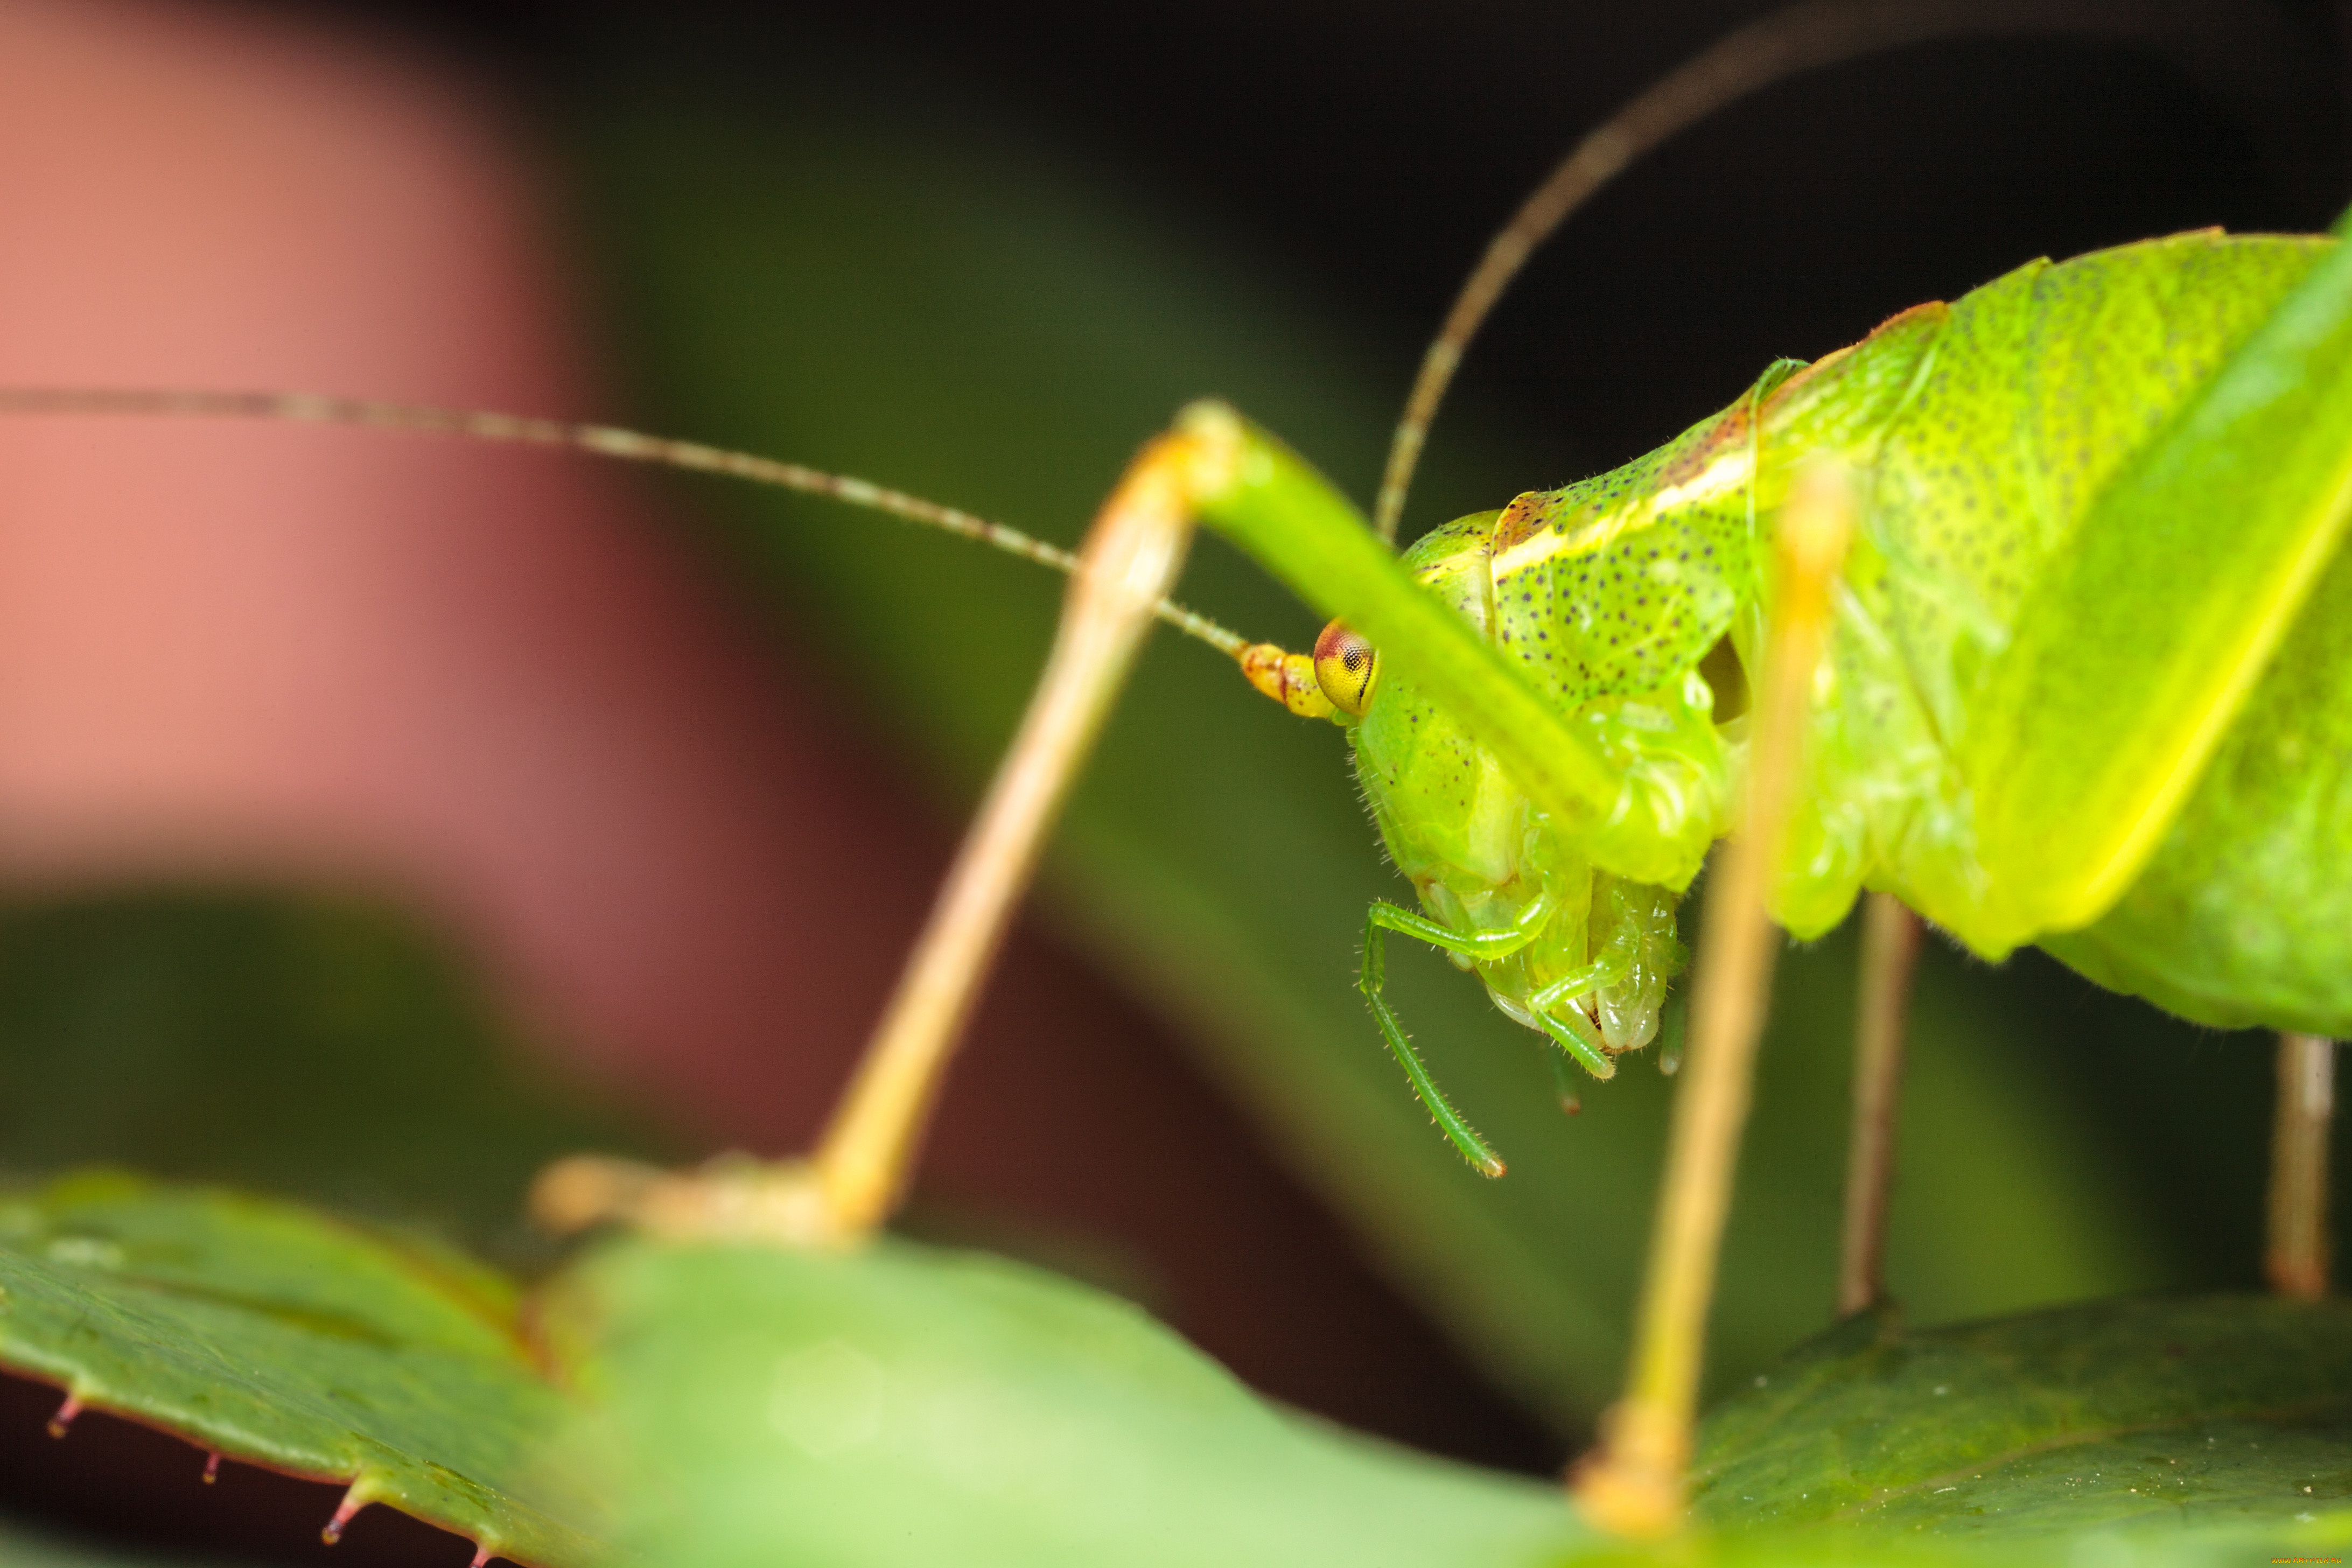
x=64, y=1418
x=1630, y=1484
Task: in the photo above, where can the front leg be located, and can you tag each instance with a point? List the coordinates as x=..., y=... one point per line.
x=1384, y=917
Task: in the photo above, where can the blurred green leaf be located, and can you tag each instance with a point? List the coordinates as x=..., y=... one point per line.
x=740, y=1405
x=900, y=288
x=279, y=1336
x=307, y=1045
x=908, y=1405
x=905, y=1405
x=2168, y=1427
x=30, y=1546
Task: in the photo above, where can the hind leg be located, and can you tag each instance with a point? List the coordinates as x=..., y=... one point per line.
x=1890, y=947
x=1633, y=1482
x=2295, y=1255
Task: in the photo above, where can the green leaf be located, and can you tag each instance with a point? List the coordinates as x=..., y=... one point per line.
x=320, y=1046
x=278, y=1336
x=2169, y=1428
x=747, y=1405
x=907, y=1406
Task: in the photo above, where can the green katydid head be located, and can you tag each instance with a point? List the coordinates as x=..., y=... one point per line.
x=1563, y=944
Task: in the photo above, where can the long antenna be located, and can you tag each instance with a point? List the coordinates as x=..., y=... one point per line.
x=1801, y=37
x=603, y=440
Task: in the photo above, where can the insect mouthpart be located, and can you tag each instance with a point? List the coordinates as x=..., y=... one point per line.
x=1346, y=665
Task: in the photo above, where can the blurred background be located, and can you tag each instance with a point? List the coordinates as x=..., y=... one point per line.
x=381, y=816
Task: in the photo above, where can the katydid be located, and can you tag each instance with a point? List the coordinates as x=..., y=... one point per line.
x=2008, y=448
x=1543, y=701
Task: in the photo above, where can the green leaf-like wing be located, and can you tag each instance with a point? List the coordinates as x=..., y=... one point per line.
x=278, y=1336
x=2137, y=649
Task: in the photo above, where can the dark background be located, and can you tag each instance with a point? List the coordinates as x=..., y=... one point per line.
x=1374, y=147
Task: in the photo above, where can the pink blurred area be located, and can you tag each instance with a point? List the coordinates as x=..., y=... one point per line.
x=474, y=678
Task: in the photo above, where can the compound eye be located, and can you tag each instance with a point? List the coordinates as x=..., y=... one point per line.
x=1345, y=667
